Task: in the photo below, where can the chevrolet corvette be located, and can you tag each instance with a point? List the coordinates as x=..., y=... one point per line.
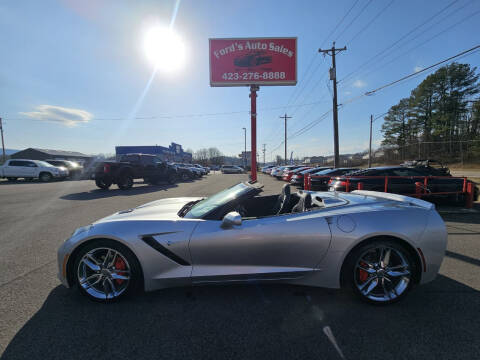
x=378, y=245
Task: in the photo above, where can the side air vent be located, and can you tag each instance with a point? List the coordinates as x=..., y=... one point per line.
x=164, y=251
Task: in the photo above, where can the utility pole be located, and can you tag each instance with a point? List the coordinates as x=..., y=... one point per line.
x=333, y=76
x=370, y=146
x=3, y=144
x=264, y=154
x=245, y=150
x=285, y=117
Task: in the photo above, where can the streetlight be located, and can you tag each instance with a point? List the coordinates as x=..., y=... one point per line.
x=245, y=151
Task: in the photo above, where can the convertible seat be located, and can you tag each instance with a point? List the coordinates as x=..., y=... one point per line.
x=280, y=204
x=303, y=204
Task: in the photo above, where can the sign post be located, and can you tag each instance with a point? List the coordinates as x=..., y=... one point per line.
x=253, y=62
x=253, y=116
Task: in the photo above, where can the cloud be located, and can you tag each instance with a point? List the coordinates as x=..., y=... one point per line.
x=359, y=84
x=417, y=68
x=59, y=114
x=347, y=92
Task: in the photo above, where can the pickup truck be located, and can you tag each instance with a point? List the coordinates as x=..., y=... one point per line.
x=31, y=169
x=133, y=166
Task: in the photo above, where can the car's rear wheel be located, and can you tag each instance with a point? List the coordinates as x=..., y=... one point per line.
x=11, y=178
x=380, y=272
x=106, y=270
x=103, y=183
x=171, y=178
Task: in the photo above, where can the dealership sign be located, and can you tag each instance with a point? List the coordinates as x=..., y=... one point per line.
x=253, y=61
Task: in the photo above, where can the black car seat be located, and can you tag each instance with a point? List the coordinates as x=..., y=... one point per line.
x=283, y=200
x=303, y=204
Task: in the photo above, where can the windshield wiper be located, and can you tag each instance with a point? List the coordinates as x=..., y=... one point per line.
x=186, y=208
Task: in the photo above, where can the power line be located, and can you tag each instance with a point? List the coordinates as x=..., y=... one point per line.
x=374, y=58
x=371, y=22
x=459, y=56
x=420, y=71
x=180, y=115
x=396, y=57
x=304, y=129
x=353, y=20
x=339, y=23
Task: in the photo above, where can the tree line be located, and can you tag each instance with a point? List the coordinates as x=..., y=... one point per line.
x=207, y=156
x=439, y=120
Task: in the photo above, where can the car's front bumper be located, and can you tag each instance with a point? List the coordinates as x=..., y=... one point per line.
x=62, y=260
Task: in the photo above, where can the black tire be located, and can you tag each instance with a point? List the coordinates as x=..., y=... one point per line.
x=45, y=177
x=134, y=284
x=125, y=181
x=171, y=179
x=351, y=274
x=11, y=179
x=103, y=183
x=185, y=177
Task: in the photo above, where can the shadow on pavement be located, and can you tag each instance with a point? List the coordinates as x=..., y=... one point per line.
x=436, y=321
x=30, y=182
x=100, y=194
x=465, y=218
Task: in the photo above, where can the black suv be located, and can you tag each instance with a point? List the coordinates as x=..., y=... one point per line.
x=133, y=166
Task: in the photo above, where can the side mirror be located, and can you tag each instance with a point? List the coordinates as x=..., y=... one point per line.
x=231, y=219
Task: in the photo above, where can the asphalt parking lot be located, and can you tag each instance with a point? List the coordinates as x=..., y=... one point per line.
x=39, y=319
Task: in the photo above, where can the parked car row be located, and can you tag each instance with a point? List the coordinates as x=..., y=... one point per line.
x=295, y=174
x=403, y=179
x=146, y=167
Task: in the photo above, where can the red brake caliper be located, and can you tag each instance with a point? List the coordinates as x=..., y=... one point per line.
x=119, y=265
x=362, y=274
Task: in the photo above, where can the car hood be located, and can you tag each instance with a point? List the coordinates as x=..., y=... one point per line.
x=165, y=209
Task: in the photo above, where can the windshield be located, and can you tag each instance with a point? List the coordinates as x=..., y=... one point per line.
x=44, y=163
x=223, y=197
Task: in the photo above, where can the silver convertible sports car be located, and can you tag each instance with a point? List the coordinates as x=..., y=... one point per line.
x=376, y=244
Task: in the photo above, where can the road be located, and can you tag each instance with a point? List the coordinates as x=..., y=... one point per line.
x=39, y=319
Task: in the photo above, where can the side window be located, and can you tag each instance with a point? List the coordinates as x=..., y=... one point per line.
x=14, y=163
x=29, y=164
x=131, y=158
x=147, y=160
x=406, y=172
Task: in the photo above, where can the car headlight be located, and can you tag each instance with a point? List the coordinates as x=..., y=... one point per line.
x=81, y=230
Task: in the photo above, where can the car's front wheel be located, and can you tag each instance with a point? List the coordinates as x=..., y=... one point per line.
x=11, y=179
x=45, y=177
x=106, y=270
x=125, y=181
x=380, y=272
x=171, y=178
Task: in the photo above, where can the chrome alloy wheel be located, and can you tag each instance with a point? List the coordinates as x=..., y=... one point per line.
x=103, y=273
x=382, y=274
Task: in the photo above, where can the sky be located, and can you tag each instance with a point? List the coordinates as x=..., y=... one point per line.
x=74, y=74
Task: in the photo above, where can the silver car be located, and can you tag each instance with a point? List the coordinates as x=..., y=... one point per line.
x=231, y=169
x=379, y=245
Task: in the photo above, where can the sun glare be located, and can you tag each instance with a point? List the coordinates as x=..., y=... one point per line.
x=164, y=49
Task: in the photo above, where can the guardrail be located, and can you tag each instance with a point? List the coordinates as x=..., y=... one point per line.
x=421, y=187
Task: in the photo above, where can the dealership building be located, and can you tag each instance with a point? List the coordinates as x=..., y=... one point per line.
x=173, y=153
